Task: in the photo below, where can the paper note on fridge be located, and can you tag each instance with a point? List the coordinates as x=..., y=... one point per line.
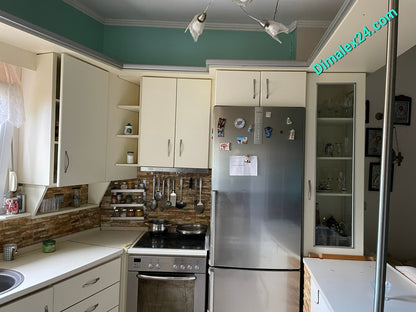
x=243, y=165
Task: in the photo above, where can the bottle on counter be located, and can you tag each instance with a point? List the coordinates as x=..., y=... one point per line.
x=21, y=198
x=77, y=197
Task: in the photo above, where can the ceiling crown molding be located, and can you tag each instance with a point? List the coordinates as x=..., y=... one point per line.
x=86, y=10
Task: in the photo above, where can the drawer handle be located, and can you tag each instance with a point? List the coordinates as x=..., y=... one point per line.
x=90, y=309
x=91, y=282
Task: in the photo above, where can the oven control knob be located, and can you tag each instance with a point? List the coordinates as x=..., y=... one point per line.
x=189, y=267
x=157, y=266
x=182, y=267
x=175, y=267
x=150, y=266
x=197, y=268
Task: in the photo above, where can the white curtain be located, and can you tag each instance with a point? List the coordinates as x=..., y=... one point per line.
x=11, y=115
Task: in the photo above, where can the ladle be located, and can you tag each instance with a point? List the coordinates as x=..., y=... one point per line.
x=153, y=202
x=180, y=204
x=158, y=195
x=200, y=206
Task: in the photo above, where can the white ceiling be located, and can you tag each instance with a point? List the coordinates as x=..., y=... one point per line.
x=222, y=14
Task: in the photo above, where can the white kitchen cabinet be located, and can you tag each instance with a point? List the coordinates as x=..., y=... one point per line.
x=318, y=301
x=123, y=108
x=266, y=88
x=89, y=283
x=334, y=164
x=174, y=122
x=64, y=137
x=41, y=301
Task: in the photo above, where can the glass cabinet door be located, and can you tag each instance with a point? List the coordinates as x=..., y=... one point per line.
x=335, y=138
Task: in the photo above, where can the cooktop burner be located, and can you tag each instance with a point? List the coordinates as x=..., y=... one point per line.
x=171, y=241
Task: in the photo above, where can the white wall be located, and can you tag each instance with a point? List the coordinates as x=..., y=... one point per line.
x=402, y=233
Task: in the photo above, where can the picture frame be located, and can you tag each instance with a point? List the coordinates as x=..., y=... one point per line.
x=402, y=110
x=373, y=142
x=367, y=111
x=375, y=175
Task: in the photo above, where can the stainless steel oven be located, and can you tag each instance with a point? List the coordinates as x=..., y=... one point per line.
x=166, y=283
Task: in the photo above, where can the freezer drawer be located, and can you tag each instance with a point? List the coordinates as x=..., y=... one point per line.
x=233, y=290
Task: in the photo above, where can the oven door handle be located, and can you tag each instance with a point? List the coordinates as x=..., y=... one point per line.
x=166, y=278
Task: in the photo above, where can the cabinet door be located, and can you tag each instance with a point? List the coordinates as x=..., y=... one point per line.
x=334, y=168
x=287, y=89
x=157, y=122
x=83, y=124
x=42, y=301
x=237, y=88
x=318, y=302
x=192, y=123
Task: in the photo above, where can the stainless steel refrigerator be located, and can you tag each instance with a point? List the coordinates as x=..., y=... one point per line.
x=256, y=217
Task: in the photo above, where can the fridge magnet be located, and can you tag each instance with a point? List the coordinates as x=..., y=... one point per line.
x=402, y=109
x=239, y=123
x=241, y=140
x=268, y=132
x=292, y=135
x=250, y=128
x=289, y=121
x=225, y=146
x=128, y=129
x=220, y=127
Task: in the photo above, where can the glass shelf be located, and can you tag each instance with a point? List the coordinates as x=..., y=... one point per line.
x=335, y=139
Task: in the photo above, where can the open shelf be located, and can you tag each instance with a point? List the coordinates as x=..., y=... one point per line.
x=133, y=108
x=128, y=136
x=126, y=205
x=128, y=218
x=127, y=165
x=128, y=191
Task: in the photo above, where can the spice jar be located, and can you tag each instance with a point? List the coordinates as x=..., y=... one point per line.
x=130, y=212
x=123, y=186
x=123, y=213
x=116, y=212
x=48, y=245
x=130, y=185
x=114, y=199
x=130, y=157
x=139, y=213
x=128, y=199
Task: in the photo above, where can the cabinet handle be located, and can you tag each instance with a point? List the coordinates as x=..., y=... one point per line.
x=67, y=162
x=91, y=282
x=46, y=309
x=254, y=89
x=180, y=147
x=92, y=308
x=267, y=88
x=309, y=189
x=168, y=147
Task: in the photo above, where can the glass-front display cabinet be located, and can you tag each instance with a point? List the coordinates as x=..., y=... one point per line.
x=334, y=156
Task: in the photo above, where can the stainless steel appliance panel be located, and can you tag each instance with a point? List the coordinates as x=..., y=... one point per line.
x=248, y=291
x=256, y=220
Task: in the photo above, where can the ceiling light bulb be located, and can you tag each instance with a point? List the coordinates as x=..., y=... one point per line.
x=196, y=26
x=242, y=3
x=274, y=28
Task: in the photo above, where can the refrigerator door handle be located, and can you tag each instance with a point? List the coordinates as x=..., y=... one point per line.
x=211, y=290
x=309, y=189
x=212, y=227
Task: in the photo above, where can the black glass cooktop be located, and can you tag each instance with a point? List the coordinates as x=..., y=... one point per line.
x=171, y=241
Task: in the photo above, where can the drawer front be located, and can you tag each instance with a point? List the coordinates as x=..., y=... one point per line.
x=85, y=284
x=37, y=302
x=104, y=301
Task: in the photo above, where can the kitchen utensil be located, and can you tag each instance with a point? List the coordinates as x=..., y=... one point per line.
x=191, y=229
x=9, y=251
x=195, y=200
x=157, y=226
x=158, y=195
x=200, y=206
x=173, y=195
x=162, y=205
x=180, y=204
x=153, y=202
x=167, y=202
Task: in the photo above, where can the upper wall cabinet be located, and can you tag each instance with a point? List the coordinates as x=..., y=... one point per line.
x=252, y=88
x=63, y=141
x=174, y=122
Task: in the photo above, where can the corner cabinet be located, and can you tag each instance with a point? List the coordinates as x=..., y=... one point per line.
x=334, y=168
x=174, y=122
x=266, y=88
x=64, y=137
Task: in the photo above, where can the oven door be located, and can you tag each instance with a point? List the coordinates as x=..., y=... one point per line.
x=165, y=292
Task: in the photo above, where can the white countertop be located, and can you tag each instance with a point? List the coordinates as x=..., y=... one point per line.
x=347, y=285
x=74, y=254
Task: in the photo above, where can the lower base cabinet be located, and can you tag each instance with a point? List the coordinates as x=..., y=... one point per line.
x=41, y=301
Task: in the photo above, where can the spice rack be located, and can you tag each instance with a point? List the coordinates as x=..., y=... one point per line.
x=129, y=205
x=133, y=146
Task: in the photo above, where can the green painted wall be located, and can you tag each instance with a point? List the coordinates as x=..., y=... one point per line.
x=169, y=46
x=146, y=45
x=60, y=18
